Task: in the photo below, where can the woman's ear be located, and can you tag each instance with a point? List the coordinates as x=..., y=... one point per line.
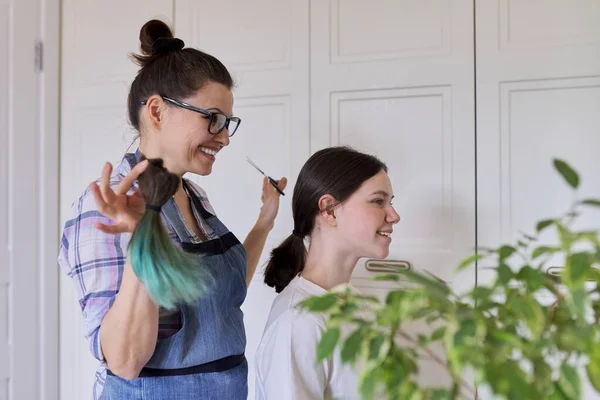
x=327, y=205
x=155, y=106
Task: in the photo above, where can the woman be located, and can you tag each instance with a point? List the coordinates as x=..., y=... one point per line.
x=181, y=104
x=342, y=203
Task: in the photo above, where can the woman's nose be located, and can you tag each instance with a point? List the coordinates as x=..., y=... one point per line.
x=223, y=137
x=393, y=216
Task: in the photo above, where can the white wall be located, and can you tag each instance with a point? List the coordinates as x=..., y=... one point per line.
x=28, y=201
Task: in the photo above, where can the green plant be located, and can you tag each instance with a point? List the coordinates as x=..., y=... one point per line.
x=525, y=335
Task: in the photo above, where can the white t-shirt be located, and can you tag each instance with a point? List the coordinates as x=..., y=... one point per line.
x=286, y=358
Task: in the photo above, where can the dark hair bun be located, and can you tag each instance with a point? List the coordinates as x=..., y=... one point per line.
x=151, y=32
x=167, y=45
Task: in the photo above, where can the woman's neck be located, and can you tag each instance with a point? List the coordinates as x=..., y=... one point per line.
x=327, y=267
x=151, y=151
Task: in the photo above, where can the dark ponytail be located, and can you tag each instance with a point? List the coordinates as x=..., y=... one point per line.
x=170, y=275
x=337, y=171
x=290, y=256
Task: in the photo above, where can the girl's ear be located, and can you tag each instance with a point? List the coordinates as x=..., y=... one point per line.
x=327, y=205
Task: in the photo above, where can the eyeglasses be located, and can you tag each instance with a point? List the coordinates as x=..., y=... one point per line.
x=217, y=120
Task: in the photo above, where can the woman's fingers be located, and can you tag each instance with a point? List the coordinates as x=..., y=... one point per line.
x=282, y=183
x=101, y=204
x=109, y=229
x=131, y=177
x=107, y=193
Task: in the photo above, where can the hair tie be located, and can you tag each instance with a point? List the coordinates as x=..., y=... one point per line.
x=153, y=208
x=298, y=234
x=165, y=45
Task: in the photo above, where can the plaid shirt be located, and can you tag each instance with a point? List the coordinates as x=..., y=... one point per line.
x=95, y=260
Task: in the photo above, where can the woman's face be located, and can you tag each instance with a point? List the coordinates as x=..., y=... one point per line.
x=183, y=136
x=365, y=220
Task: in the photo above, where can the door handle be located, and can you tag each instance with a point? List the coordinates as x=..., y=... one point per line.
x=555, y=272
x=393, y=266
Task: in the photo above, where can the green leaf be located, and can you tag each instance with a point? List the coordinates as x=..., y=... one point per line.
x=557, y=393
x=465, y=333
x=569, y=382
x=573, y=337
x=438, y=333
x=590, y=236
x=394, y=297
x=579, y=298
x=504, y=274
x=347, y=309
x=593, y=369
x=577, y=268
x=386, y=277
x=542, y=378
x=378, y=347
x=327, y=344
x=366, y=298
x=530, y=310
x=437, y=394
x=519, y=387
x=564, y=235
x=438, y=288
x=368, y=381
x=508, y=338
x=567, y=173
x=543, y=225
x=591, y=202
x=482, y=292
x=505, y=252
x=535, y=279
x=320, y=303
x=352, y=345
x=539, y=251
x=468, y=261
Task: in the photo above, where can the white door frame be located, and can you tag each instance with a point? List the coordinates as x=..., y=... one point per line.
x=49, y=199
x=34, y=102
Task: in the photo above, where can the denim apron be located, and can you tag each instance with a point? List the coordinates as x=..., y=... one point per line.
x=205, y=358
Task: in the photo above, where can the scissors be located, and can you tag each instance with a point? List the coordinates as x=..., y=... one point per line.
x=271, y=180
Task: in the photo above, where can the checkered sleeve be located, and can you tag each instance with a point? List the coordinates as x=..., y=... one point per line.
x=94, y=261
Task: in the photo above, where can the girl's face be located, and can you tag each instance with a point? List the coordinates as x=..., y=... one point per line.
x=365, y=220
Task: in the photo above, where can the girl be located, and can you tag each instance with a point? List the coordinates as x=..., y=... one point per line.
x=342, y=204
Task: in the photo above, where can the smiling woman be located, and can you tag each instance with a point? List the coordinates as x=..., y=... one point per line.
x=147, y=315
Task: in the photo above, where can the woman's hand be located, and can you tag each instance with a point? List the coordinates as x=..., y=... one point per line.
x=270, y=204
x=125, y=210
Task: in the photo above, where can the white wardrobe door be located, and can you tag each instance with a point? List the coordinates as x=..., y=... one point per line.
x=395, y=78
x=264, y=44
x=538, y=98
